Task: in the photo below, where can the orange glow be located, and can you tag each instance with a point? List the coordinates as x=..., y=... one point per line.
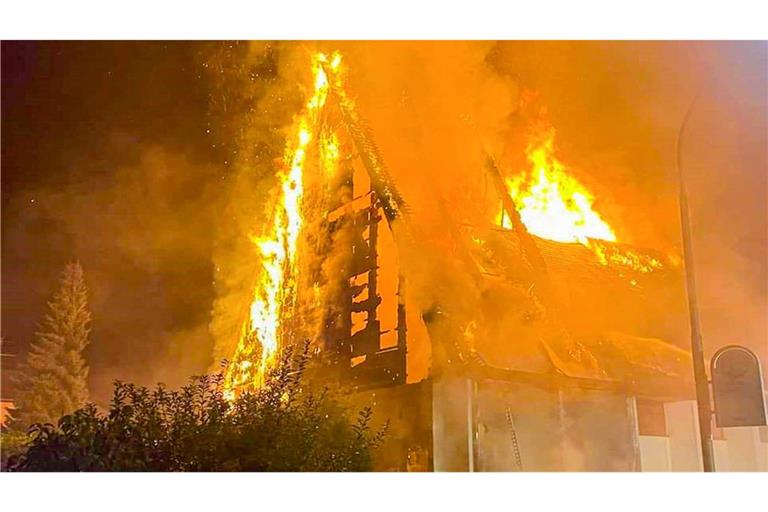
x=554, y=205
x=611, y=254
x=551, y=203
x=262, y=335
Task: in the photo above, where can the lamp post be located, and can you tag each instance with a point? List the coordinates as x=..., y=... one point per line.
x=697, y=349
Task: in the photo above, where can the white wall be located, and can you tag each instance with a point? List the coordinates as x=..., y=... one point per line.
x=720, y=449
x=451, y=430
x=745, y=450
x=683, y=432
x=741, y=450
x=654, y=453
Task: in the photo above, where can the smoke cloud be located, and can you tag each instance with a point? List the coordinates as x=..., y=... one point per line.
x=435, y=108
x=158, y=188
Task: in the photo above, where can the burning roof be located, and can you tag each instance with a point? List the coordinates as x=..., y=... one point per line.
x=621, y=317
x=547, y=289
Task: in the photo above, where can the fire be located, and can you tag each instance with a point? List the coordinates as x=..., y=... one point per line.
x=555, y=205
x=329, y=153
x=611, y=254
x=551, y=203
x=263, y=333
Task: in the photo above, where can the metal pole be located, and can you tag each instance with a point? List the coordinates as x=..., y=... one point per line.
x=697, y=349
x=470, y=426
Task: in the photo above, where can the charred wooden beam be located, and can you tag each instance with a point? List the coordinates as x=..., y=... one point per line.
x=392, y=201
x=528, y=244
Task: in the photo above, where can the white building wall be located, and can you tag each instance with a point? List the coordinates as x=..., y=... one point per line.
x=683, y=431
x=762, y=449
x=746, y=452
x=741, y=450
x=654, y=453
x=721, y=453
x=451, y=429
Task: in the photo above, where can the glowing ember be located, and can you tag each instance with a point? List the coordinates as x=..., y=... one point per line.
x=263, y=333
x=329, y=154
x=554, y=205
x=614, y=255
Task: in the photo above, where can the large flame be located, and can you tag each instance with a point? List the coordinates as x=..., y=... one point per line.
x=553, y=204
x=275, y=290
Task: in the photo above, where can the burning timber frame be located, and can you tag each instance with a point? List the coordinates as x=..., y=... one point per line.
x=377, y=366
x=467, y=414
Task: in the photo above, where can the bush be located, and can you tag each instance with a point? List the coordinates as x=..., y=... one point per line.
x=283, y=426
x=12, y=442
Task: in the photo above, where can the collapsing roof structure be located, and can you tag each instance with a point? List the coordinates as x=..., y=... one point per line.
x=545, y=307
x=551, y=337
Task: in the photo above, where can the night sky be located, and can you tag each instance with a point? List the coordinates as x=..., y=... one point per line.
x=83, y=126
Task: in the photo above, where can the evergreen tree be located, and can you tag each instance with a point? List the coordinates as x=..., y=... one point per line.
x=53, y=379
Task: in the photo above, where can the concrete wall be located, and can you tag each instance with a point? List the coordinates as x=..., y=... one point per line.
x=654, y=453
x=555, y=430
x=451, y=426
x=572, y=430
x=535, y=424
x=720, y=449
x=746, y=451
x=600, y=431
x=683, y=431
x=741, y=450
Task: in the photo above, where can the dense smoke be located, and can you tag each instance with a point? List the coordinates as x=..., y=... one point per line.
x=105, y=158
x=618, y=106
x=260, y=93
x=425, y=103
x=435, y=108
x=155, y=163
x=145, y=249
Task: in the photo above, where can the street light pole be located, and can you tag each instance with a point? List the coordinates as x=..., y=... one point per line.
x=697, y=349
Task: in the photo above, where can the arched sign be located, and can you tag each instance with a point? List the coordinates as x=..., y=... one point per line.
x=737, y=386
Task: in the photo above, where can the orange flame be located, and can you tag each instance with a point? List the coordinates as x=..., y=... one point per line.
x=551, y=203
x=554, y=205
x=263, y=334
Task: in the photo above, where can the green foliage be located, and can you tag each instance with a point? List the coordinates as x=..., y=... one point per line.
x=284, y=426
x=12, y=442
x=53, y=379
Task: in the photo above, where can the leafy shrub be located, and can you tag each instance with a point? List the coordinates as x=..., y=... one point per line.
x=12, y=442
x=282, y=426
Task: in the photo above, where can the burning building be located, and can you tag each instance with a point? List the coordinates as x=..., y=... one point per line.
x=541, y=343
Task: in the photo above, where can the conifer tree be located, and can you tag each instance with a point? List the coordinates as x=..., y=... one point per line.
x=53, y=379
